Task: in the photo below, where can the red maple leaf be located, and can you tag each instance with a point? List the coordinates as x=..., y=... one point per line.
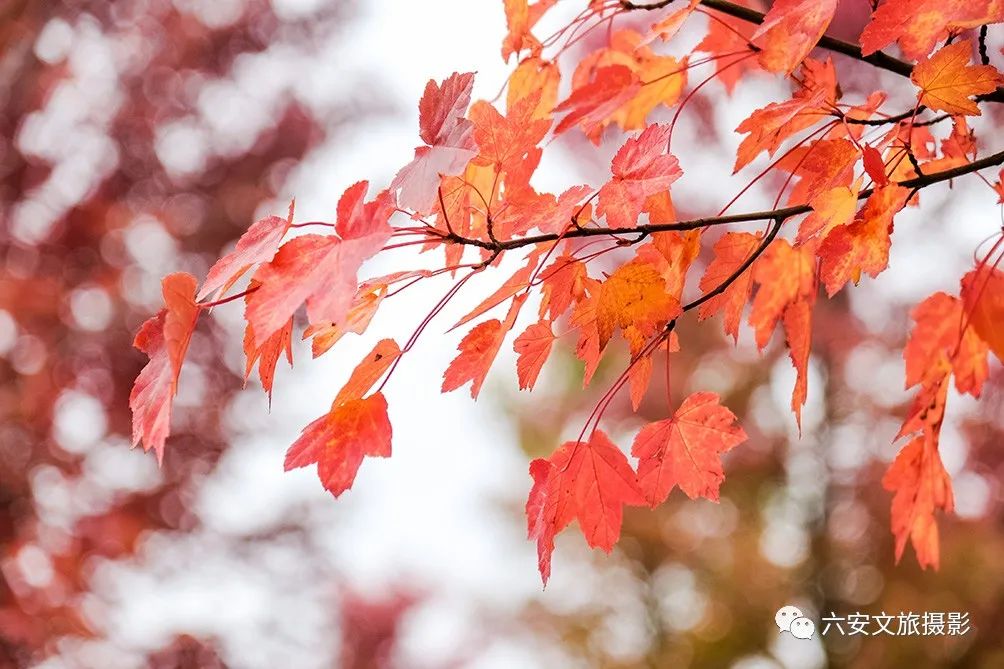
x=563, y=283
x=258, y=244
x=267, y=355
x=590, y=105
x=449, y=138
x=319, y=270
x=589, y=481
x=640, y=168
x=164, y=338
x=478, y=350
x=874, y=165
x=685, y=450
x=508, y=142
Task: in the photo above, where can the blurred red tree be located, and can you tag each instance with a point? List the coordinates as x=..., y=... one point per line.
x=99, y=173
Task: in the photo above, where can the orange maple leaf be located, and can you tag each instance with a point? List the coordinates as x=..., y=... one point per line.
x=730, y=252
x=478, y=350
x=947, y=81
x=369, y=371
x=587, y=347
x=797, y=323
x=672, y=253
x=339, y=440
x=768, y=127
x=519, y=281
x=862, y=246
x=920, y=24
x=669, y=26
x=520, y=17
x=821, y=166
x=533, y=347
x=983, y=294
x=728, y=36
x=685, y=450
x=790, y=30
x=785, y=275
x=634, y=296
x=830, y=209
x=937, y=339
x=164, y=338
x=920, y=485
x=589, y=481
x=534, y=76
x=365, y=304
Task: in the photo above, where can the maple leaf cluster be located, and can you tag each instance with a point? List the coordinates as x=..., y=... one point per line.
x=848, y=169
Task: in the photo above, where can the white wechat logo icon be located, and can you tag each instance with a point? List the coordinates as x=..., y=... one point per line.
x=790, y=619
x=802, y=628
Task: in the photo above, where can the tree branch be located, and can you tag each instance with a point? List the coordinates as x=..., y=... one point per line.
x=916, y=183
x=878, y=59
x=900, y=117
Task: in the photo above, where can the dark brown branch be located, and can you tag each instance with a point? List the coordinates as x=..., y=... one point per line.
x=630, y=6
x=898, y=118
x=878, y=59
x=707, y=222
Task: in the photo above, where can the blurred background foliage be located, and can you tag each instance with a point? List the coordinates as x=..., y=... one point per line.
x=142, y=136
x=137, y=136
x=804, y=521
